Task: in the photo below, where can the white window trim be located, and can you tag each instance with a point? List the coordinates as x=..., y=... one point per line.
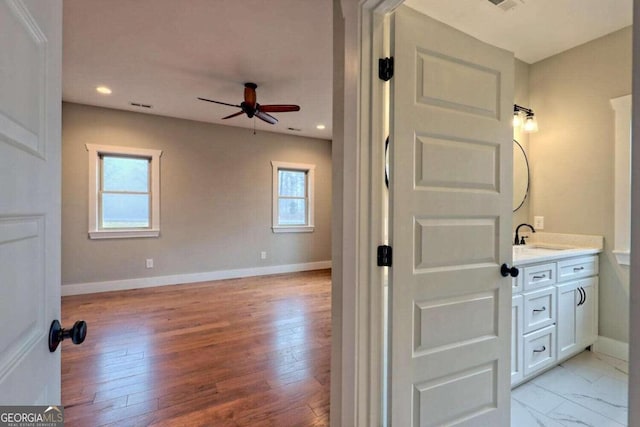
x=310, y=169
x=95, y=151
x=622, y=109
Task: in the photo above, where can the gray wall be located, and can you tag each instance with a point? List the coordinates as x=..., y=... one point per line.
x=215, y=197
x=572, y=155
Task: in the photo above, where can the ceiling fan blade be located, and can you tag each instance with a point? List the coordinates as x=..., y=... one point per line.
x=233, y=115
x=266, y=117
x=250, y=94
x=278, y=108
x=218, y=102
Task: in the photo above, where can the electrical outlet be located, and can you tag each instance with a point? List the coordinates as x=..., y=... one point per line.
x=538, y=222
x=149, y=262
x=263, y=255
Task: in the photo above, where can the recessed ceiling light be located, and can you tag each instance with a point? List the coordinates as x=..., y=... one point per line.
x=320, y=127
x=103, y=90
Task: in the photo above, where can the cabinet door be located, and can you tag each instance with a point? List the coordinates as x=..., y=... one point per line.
x=568, y=336
x=577, y=316
x=516, y=339
x=587, y=313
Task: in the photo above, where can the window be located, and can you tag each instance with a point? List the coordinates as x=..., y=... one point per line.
x=124, y=192
x=292, y=197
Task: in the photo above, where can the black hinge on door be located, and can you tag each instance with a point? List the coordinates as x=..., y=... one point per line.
x=384, y=256
x=385, y=68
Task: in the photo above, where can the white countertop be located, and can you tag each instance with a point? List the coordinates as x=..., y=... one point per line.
x=528, y=254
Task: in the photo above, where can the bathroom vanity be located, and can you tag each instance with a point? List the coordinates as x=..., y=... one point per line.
x=555, y=305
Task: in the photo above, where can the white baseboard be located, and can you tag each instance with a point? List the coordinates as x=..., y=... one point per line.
x=613, y=348
x=176, y=279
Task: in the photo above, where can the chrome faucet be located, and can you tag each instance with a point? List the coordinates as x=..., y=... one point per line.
x=517, y=240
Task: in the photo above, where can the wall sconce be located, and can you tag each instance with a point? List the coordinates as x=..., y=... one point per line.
x=524, y=117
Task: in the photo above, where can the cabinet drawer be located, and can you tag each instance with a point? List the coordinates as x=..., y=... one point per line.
x=577, y=267
x=539, y=276
x=539, y=309
x=539, y=349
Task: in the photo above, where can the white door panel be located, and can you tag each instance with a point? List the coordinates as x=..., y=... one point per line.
x=30, y=64
x=450, y=216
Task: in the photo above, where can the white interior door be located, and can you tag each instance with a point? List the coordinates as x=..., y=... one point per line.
x=450, y=202
x=30, y=102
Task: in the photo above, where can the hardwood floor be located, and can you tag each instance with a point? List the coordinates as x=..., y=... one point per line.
x=241, y=352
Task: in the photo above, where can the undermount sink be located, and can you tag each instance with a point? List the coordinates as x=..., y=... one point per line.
x=534, y=250
x=541, y=247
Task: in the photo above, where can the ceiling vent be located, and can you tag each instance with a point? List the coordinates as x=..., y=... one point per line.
x=505, y=4
x=139, y=105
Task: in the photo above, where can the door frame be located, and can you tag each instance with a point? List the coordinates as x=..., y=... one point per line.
x=357, y=290
x=356, y=362
x=634, y=270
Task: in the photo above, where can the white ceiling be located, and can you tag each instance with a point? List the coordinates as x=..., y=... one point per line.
x=534, y=29
x=169, y=52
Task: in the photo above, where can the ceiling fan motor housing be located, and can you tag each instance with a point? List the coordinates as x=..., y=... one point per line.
x=248, y=110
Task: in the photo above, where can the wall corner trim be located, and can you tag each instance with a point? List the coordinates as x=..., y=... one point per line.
x=177, y=279
x=613, y=348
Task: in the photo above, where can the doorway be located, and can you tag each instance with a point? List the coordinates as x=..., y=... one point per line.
x=388, y=7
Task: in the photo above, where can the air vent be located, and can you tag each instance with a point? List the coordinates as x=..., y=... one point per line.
x=137, y=104
x=505, y=4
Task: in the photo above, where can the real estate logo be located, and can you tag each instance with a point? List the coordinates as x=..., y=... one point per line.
x=31, y=416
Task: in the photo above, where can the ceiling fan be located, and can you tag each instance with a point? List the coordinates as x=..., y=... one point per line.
x=251, y=108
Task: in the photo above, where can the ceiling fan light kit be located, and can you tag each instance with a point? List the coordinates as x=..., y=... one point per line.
x=251, y=108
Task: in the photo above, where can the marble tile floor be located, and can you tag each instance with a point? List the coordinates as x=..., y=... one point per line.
x=589, y=389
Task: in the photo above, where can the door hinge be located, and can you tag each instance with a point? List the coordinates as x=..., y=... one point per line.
x=385, y=68
x=385, y=257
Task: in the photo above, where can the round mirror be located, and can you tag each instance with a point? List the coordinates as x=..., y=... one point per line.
x=386, y=162
x=520, y=176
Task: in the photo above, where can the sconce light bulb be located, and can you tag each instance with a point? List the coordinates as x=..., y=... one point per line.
x=531, y=124
x=517, y=120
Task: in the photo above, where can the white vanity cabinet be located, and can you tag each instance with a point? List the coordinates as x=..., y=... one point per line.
x=554, y=312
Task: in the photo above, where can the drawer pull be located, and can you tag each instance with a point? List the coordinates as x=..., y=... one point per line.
x=576, y=269
x=544, y=276
x=540, y=350
x=539, y=310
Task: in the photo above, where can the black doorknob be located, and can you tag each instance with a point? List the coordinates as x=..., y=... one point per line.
x=57, y=333
x=506, y=271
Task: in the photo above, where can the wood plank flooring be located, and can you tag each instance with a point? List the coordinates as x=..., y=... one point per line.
x=241, y=352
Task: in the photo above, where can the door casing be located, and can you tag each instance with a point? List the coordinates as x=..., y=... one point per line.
x=356, y=398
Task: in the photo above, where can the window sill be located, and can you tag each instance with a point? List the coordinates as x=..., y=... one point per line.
x=122, y=234
x=623, y=257
x=294, y=229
